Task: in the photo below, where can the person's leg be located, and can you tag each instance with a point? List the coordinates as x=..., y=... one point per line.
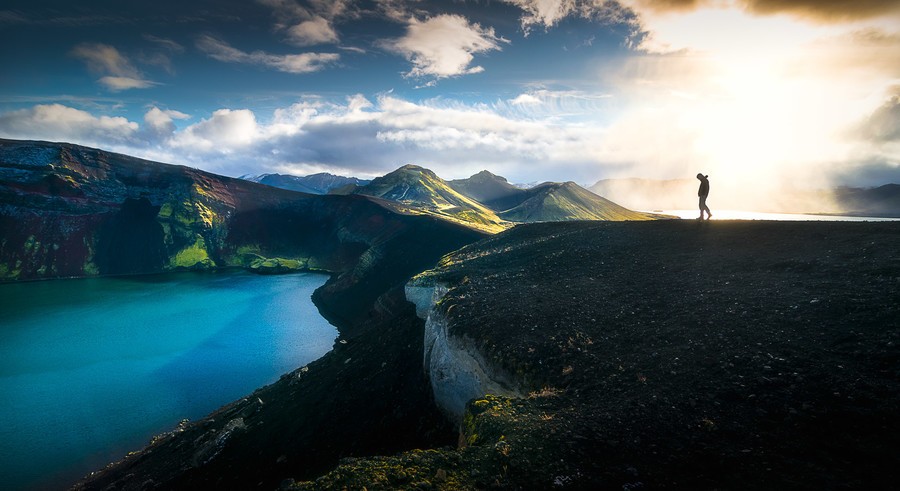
x=704, y=207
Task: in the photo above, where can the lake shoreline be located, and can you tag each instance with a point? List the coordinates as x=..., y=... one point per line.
x=122, y=359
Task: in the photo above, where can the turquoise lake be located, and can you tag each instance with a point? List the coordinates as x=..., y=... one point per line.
x=91, y=369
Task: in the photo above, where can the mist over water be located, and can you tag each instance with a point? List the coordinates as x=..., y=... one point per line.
x=91, y=369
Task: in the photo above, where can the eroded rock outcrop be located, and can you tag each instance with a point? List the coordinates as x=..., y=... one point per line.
x=457, y=371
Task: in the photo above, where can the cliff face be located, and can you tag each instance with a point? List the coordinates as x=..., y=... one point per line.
x=456, y=369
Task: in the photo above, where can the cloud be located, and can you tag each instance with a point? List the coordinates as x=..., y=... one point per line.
x=353, y=49
x=117, y=84
x=883, y=125
x=813, y=10
x=103, y=58
x=314, y=31
x=545, y=12
x=443, y=46
x=159, y=124
x=312, y=23
x=225, y=131
x=571, y=105
x=396, y=10
x=525, y=99
x=162, y=52
x=166, y=44
x=63, y=123
x=119, y=73
x=548, y=13
x=300, y=63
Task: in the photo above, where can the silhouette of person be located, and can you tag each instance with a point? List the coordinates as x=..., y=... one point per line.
x=703, y=192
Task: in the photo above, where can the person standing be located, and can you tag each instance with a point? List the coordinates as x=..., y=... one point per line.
x=703, y=192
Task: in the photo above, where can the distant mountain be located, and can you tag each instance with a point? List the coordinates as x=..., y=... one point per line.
x=879, y=201
x=419, y=190
x=485, y=187
x=68, y=210
x=322, y=183
x=554, y=201
x=550, y=201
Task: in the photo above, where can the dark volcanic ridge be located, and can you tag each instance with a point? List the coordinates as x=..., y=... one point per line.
x=661, y=355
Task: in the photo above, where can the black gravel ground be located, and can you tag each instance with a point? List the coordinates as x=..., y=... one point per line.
x=676, y=355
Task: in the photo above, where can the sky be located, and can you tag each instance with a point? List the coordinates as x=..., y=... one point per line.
x=759, y=94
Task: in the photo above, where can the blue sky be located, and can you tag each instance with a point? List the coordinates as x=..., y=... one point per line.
x=752, y=91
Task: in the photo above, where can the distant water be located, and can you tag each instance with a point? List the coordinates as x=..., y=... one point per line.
x=755, y=215
x=91, y=369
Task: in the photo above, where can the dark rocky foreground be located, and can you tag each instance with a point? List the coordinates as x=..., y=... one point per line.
x=668, y=355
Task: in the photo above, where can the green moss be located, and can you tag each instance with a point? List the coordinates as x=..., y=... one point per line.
x=194, y=256
x=165, y=211
x=414, y=470
x=276, y=265
x=90, y=268
x=248, y=249
x=31, y=244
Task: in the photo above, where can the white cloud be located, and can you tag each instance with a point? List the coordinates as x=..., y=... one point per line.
x=546, y=12
x=314, y=31
x=299, y=63
x=444, y=46
x=525, y=99
x=117, y=84
x=311, y=23
x=160, y=123
x=63, y=123
x=225, y=131
x=119, y=73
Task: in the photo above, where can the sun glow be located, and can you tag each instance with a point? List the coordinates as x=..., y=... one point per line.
x=761, y=100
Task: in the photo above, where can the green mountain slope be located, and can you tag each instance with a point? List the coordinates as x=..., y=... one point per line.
x=553, y=202
x=414, y=189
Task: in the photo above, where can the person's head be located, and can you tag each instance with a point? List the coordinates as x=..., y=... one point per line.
x=701, y=176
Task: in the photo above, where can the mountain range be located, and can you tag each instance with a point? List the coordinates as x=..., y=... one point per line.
x=483, y=201
x=544, y=202
x=321, y=183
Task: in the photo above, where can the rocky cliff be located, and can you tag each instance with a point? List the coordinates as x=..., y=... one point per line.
x=662, y=355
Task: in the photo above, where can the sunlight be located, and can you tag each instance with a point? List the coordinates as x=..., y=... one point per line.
x=767, y=103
